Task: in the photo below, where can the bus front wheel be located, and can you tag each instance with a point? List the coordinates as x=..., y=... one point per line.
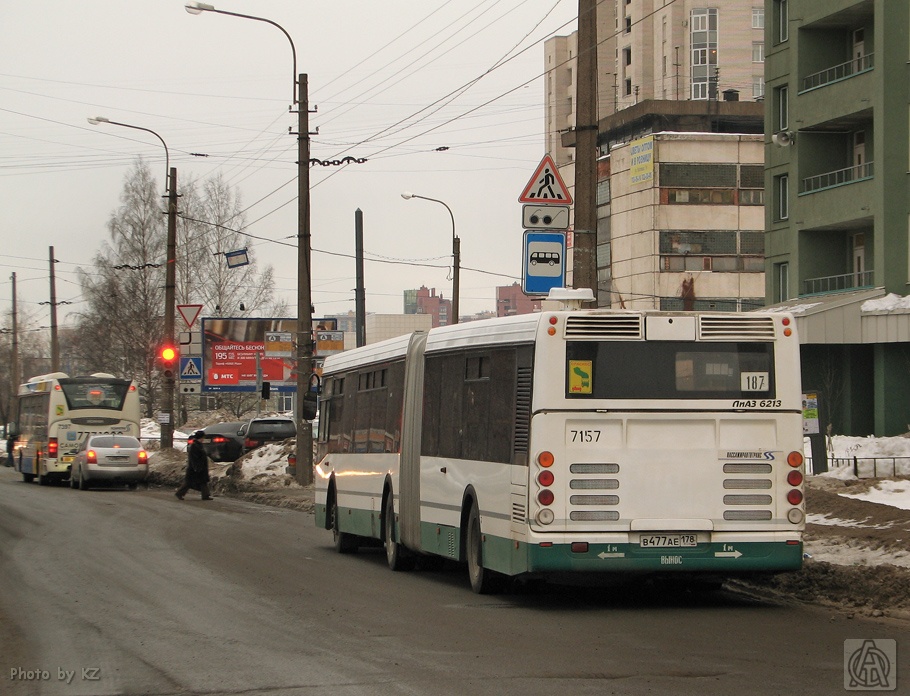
x=483, y=580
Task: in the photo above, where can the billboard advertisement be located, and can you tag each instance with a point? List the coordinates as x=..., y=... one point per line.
x=230, y=346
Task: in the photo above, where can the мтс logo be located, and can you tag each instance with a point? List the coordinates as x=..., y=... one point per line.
x=870, y=665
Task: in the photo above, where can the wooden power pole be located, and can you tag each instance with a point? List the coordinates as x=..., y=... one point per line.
x=585, y=249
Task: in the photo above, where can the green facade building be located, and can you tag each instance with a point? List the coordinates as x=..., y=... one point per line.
x=837, y=202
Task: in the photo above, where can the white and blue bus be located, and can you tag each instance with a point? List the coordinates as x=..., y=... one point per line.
x=590, y=441
x=55, y=414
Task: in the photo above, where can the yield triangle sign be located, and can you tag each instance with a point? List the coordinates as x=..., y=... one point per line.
x=189, y=312
x=546, y=186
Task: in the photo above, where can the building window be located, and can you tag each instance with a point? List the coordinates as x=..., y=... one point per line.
x=782, y=281
x=783, y=108
x=782, y=190
x=758, y=86
x=758, y=17
x=627, y=87
x=783, y=20
x=628, y=25
x=699, y=196
x=751, y=196
x=758, y=52
x=703, y=25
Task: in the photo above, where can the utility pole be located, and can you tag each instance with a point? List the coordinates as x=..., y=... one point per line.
x=55, y=343
x=584, y=269
x=360, y=309
x=170, y=287
x=14, y=359
x=304, y=308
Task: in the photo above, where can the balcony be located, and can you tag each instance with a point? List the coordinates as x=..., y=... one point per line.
x=838, y=283
x=839, y=177
x=855, y=66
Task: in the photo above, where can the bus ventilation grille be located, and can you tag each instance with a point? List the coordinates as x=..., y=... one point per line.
x=522, y=411
x=605, y=326
x=735, y=327
x=519, y=513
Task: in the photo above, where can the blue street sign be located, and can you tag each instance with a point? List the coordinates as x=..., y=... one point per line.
x=190, y=369
x=543, y=262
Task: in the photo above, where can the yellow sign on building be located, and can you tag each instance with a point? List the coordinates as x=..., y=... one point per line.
x=641, y=162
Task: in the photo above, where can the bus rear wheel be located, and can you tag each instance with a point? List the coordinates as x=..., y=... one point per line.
x=28, y=478
x=483, y=580
x=344, y=542
x=396, y=555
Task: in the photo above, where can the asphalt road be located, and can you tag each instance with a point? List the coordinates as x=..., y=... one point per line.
x=119, y=592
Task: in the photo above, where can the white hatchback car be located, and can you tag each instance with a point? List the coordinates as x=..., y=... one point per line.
x=109, y=459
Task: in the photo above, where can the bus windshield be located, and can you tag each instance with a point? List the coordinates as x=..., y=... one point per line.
x=669, y=370
x=94, y=393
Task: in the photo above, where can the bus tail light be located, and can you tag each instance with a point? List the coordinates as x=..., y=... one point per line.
x=795, y=459
x=546, y=459
x=91, y=457
x=795, y=497
x=52, y=448
x=545, y=479
x=795, y=478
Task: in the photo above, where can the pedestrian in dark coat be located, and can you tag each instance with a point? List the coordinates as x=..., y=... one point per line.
x=197, y=469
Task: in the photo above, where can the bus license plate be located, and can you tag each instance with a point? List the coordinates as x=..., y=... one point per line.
x=664, y=541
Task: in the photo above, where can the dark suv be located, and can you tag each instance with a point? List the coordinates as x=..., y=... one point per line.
x=224, y=441
x=259, y=431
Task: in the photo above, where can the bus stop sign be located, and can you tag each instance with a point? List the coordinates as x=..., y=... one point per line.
x=543, y=262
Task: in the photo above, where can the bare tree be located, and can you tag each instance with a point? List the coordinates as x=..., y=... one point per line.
x=121, y=330
x=34, y=357
x=212, y=225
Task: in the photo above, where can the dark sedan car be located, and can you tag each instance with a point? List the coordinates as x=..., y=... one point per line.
x=223, y=442
x=259, y=431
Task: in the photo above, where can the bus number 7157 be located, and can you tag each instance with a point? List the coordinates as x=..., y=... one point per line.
x=585, y=436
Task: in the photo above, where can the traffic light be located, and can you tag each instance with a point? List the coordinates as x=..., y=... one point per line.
x=266, y=390
x=168, y=357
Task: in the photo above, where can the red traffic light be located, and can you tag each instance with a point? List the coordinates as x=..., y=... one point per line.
x=168, y=355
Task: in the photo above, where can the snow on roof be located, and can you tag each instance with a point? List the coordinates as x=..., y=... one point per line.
x=889, y=303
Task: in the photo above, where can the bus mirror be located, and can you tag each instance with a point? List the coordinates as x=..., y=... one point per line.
x=310, y=406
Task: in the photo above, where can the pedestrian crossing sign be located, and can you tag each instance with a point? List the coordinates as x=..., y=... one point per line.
x=190, y=369
x=546, y=186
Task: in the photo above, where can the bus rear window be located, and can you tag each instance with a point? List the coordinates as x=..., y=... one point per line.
x=94, y=394
x=669, y=370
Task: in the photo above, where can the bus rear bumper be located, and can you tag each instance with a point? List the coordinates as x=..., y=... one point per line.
x=728, y=558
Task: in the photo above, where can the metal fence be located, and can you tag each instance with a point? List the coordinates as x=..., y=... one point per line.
x=868, y=467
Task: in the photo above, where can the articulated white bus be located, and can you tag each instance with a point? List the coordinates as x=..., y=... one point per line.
x=57, y=412
x=596, y=441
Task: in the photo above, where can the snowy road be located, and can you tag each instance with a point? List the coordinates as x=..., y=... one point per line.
x=118, y=592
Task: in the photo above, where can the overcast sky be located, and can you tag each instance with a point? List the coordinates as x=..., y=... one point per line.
x=387, y=80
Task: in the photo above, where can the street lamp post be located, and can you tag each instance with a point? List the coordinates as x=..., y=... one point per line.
x=170, y=282
x=456, y=252
x=304, y=300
